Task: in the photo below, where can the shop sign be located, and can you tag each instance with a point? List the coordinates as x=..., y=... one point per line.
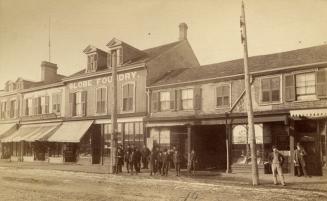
x=102, y=81
x=241, y=136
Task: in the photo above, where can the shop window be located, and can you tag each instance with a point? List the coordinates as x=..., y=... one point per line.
x=164, y=101
x=129, y=133
x=56, y=149
x=187, y=99
x=101, y=100
x=85, y=146
x=28, y=150
x=107, y=130
x=78, y=103
x=223, y=96
x=128, y=97
x=56, y=103
x=270, y=89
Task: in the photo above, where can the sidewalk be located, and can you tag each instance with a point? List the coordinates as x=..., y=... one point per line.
x=314, y=183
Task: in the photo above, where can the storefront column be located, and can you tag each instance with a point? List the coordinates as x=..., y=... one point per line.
x=189, y=142
x=291, y=134
x=227, y=129
x=21, y=150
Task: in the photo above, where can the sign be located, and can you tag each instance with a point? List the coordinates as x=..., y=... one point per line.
x=241, y=136
x=102, y=81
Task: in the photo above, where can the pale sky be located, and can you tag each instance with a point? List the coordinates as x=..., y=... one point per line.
x=214, y=32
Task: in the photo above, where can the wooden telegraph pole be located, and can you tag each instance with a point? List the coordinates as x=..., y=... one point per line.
x=255, y=175
x=113, y=152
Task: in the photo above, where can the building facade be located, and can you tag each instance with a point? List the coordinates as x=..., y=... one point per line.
x=203, y=109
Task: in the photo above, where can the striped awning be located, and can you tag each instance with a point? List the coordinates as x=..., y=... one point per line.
x=6, y=130
x=32, y=132
x=309, y=113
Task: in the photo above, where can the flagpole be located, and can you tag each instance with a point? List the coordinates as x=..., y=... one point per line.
x=254, y=165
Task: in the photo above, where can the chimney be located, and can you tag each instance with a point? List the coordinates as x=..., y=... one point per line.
x=48, y=72
x=183, y=31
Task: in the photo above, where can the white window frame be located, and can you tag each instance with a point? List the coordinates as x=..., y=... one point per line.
x=122, y=97
x=92, y=66
x=315, y=83
x=59, y=103
x=106, y=100
x=280, y=90
x=230, y=95
x=13, y=111
x=181, y=93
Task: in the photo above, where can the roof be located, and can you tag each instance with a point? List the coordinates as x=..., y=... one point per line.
x=304, y=56
x=149, y=54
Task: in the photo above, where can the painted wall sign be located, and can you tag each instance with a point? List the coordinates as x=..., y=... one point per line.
x=102, y=81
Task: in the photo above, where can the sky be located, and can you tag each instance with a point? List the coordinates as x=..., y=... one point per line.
x=214, y=29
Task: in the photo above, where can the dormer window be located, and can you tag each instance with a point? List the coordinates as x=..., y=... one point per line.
x=92, y=62
x=116, y=57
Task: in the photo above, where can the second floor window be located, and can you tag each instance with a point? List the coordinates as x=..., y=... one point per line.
x=223, y=96
x=101, y=100
x=56, y=103
x=3, y=110
x=28, y=107
x=78, y=103
x=270, y=89
x=164, y=101
x=13, y=111
x=187, y=99
x=128, y=97
x=305, y=86
x=45, y=104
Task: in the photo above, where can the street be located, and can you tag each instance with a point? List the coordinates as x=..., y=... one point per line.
x=37, y=184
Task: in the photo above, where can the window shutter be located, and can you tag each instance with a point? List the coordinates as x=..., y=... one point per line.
x=289, y=88
x=84, y=102
x=321, y=85
x=109, y=60
x=155, y=102
x=179, y=99
x=173, y=99
x=98, y=99
x=34, y=103
x=197, y=98
x=24, y=113
x=17, y=108
x=71, y=104
x=47, y=102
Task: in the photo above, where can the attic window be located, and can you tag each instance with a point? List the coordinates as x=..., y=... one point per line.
x=116, y=57
x=91, y=62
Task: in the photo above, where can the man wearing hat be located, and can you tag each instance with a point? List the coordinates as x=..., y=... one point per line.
x=299, y=161
x=276, y=160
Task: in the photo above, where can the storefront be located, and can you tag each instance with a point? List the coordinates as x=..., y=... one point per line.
x=6, y=130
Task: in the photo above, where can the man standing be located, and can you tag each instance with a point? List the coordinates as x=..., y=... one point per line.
x=276, y=159
x=299, y=161
x=165, y=163
x=153, y=161
x=177, y=162
x=145, y=157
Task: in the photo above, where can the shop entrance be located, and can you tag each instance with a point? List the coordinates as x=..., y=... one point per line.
x=209, y=143
x=306, y=134
x=96, y=143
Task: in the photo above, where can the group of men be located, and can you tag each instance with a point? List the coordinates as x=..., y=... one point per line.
x=276, y=160
x=160, y=161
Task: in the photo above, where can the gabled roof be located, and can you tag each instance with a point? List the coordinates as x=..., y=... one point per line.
x=281, y=60
x=91, y=48
x=155, y=51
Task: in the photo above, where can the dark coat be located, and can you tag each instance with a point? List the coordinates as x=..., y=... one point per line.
x=177, y=157
x=280, y=158
x=299, y=157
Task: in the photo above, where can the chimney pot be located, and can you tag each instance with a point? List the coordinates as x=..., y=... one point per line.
x=183, y=31
x=48, y=72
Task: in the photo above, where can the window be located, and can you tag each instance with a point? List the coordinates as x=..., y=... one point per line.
x=28, y=107
x=3, y=110
x=270, y=89
x=45, y=104
x=128, y=97
x=187, y=99
x=305, y=86
x=164, y=101
x=101, y=100
x=92, y=62
x=12, y=112
x=115, y=58
x=37, y=108
x=223, y=96
x=78, y=103
x=56, y=103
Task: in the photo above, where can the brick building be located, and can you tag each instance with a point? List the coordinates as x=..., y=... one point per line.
x=203, y=108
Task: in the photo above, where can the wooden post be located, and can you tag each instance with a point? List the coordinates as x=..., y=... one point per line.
x=113, y=151
x=326, y=143
x=255, y=174
x=291, y=133
x=227, y=145
x=189, y=144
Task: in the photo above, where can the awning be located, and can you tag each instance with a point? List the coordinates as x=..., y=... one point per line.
x=309, y=113
x=32, y=132
x=6, y=130
x=166, y=124
x=71, y=131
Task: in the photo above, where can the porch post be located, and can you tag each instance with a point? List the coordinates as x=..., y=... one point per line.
x=189, y=142
x=227, y=145
x=291, y=134
x=326, y=143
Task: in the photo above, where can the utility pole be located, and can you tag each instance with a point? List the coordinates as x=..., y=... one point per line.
x=114, y=129
x=49, y=44
x=255, y=175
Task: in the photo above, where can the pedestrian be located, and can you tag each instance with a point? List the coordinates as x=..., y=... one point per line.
x=170, y=158
x=153, y=158
x=132, y=161
x=276, y=160
x=120, y=159
x=138, y=157
x=177, y=162
x=159, y=163
x=193, y=162
x=126, y=158
x=145, y=157
x=165, y=162
x=299, y=160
